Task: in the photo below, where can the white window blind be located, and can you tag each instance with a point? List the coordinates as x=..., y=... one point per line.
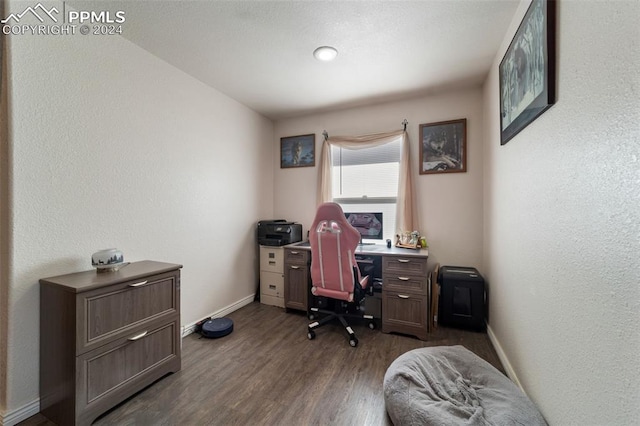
x=366, y=180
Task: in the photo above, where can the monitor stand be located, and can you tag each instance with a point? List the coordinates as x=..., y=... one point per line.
x=364, y=244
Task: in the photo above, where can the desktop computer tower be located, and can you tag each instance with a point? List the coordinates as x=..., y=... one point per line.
x=462, y=298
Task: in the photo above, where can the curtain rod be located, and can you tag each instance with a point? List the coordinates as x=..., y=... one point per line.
x=404, y=123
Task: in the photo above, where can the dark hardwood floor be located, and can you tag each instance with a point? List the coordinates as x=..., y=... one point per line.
x=268, y=373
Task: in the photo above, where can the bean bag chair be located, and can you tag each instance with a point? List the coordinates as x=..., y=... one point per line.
x=450, y=385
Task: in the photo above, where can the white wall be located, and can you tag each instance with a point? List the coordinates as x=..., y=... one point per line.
x=562, y=224
x=449, y=205
x=112, y=147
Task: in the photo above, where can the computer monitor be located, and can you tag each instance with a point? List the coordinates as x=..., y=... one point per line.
x=369, y=225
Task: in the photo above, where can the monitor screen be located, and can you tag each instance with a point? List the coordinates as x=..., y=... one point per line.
x=369, y=225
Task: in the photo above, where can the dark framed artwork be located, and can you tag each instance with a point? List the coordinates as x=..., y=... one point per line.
x=298, y=151
x=443, y=147
x=527, y=72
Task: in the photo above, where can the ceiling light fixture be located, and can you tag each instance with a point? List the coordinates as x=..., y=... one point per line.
x=325, y=53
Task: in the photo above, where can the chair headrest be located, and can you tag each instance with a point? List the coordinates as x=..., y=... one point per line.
x=328, y=226
x=331, y=218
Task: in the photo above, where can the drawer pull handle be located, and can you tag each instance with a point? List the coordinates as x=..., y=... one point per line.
x=272, y=262
x=403, y=296
x=138, y=284
x=272, y=287
x=294, y=252
x=295, y=267
x=404, y=260
x=404, y=278
x=138, y=336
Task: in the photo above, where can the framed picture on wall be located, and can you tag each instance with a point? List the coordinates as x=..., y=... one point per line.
x=298, y=151
x=527, y=72
x=443, y=147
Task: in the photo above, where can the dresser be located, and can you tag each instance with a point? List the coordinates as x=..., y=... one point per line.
x=105, y=336
x=272, y=276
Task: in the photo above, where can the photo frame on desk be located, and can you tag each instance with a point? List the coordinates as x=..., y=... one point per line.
x=298, y=151
x=408, y=240
x=527, y=73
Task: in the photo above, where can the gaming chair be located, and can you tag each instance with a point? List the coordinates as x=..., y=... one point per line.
x=334, y=270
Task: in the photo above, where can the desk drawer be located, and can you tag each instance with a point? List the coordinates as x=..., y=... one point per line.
x=404, y=313
x=109, y=313
x=405, y=283
x=404, y=266
x=296, y=256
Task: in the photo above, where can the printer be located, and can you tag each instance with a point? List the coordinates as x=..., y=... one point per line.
x=278, y=232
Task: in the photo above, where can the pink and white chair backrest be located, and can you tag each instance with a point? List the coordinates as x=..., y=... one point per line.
x=333, y=244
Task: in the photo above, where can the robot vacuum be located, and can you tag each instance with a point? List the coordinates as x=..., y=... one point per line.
x=217, y=327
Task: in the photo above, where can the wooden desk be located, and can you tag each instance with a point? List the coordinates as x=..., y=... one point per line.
x=405, y=290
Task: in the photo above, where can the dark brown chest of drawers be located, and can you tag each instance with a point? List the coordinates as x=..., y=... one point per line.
x=105, y=336
x=404, y=295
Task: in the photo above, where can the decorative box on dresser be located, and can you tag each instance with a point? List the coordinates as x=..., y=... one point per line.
x=296, y=278
x=105, y=336
x=405, y=294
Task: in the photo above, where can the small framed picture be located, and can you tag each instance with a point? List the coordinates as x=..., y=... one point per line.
x=298, y=151
x=443, y=147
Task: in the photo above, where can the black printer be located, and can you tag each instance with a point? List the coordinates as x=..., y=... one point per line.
x=278, y=232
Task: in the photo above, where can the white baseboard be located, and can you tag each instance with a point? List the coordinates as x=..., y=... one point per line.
x=188, y=329
x=14, y=417
x=503, y=358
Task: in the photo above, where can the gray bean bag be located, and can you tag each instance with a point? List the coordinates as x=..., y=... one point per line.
x=450, y=385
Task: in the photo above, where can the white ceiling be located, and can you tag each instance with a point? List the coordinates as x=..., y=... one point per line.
x=260, y=52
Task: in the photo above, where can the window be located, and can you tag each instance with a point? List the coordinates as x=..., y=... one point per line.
x=366, y=180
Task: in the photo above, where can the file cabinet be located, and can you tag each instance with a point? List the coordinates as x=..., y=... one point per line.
x=272, y=276
x=106, y=336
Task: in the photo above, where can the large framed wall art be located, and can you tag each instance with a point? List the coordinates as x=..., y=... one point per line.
x=527, y=72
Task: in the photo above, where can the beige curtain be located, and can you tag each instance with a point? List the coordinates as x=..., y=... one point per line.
x=406, y=215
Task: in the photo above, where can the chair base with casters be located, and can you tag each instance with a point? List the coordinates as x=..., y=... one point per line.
x=341, y=311
x=332, y=315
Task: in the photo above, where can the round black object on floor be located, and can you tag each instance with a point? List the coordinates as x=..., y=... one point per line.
x=217, y=327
